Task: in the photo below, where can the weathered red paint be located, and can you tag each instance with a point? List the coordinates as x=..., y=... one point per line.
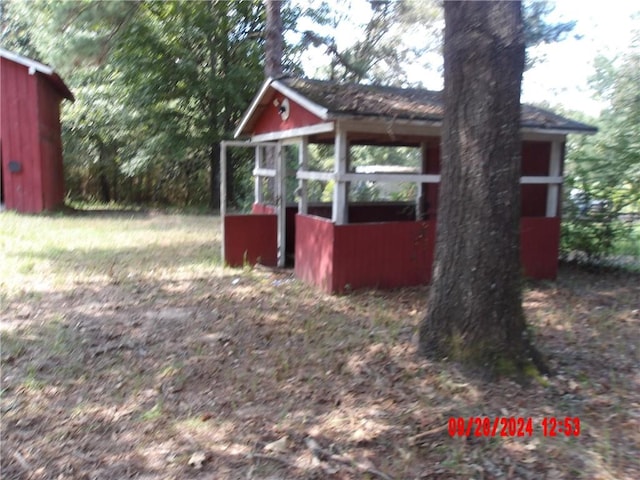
x=314, y=256
x=30, y=138
x=397, y=254
x=263, y=209
x=536, y=157
x=334, y=258
x=250, y=239
x=271, y=121
x=539, y=247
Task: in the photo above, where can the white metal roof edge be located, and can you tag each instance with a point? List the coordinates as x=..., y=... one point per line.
x=317, y=110
x=32, y=65
x=252, y=107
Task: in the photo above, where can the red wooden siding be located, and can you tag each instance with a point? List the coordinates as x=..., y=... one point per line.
x=383, y=255
x=30, y=135
x=263, y=209
x=539, y=246
x=395, y=254
x=535, y=162
x=20, y=138
x=51, y=170
x=250, y=239
x=271, y=121
x=314, y=256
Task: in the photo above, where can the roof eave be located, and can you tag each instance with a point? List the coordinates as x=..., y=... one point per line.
x=251, y=110
x=318, y=110
x=278, y=86
x=37, y=67
x=559, y=131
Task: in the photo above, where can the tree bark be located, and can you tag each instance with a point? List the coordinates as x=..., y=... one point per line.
x=474, y=314
x=274, y=43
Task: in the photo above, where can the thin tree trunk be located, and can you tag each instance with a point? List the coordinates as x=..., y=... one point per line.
x=274, y=43
x=474, y=314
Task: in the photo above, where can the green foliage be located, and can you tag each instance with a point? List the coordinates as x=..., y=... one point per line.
x=383, y=51
x=603, y=178
x=160, y=83
x=386, y=47
x=537, y=28
x=158, y=86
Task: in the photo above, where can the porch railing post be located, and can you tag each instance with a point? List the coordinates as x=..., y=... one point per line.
x=340, y=210
x=281, y=203
x=303, y=164
x=553, y=190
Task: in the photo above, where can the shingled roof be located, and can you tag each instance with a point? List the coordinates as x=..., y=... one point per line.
x=339, y=100
x=407, y=103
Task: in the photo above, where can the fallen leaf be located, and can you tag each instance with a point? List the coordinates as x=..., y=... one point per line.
x=278, y=446
x=197, y=459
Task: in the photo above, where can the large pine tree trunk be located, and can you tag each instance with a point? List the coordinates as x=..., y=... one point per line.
x=475, y=314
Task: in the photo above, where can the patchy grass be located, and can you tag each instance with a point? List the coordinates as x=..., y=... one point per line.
x=128, y=351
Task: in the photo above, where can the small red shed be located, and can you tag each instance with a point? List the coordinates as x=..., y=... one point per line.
x=344, y=243
x=31, y=171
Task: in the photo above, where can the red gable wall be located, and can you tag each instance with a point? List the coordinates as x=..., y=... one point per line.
x=271, y=121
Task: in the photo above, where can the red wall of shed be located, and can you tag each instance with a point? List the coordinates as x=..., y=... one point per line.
x=250, y=239
x=535, y=162
x=271, y=121
x=30, y=135
x=52, y=170
x=314, y=256
x=19, y=97
x=539, y=247
x=395, y=254
x=383, y=255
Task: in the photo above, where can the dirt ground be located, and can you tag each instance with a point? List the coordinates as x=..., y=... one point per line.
x=211, y=373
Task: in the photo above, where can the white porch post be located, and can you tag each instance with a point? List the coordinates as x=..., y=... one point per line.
x=340, y=210
x=281, y=202
x=420, y=186
x=303, y=164
x=223, y=191
x=258, y=190
x=553, y=190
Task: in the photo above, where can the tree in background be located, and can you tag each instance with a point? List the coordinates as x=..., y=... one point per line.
x=603, y=171
x=384, y=51
x=474, y=313
x=159, y=85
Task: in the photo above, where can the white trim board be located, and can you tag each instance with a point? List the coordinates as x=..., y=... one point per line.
x=32, y=65
x=295, y=132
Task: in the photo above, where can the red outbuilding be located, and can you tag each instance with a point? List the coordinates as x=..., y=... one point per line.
x=336, y=240
x=31, y=171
